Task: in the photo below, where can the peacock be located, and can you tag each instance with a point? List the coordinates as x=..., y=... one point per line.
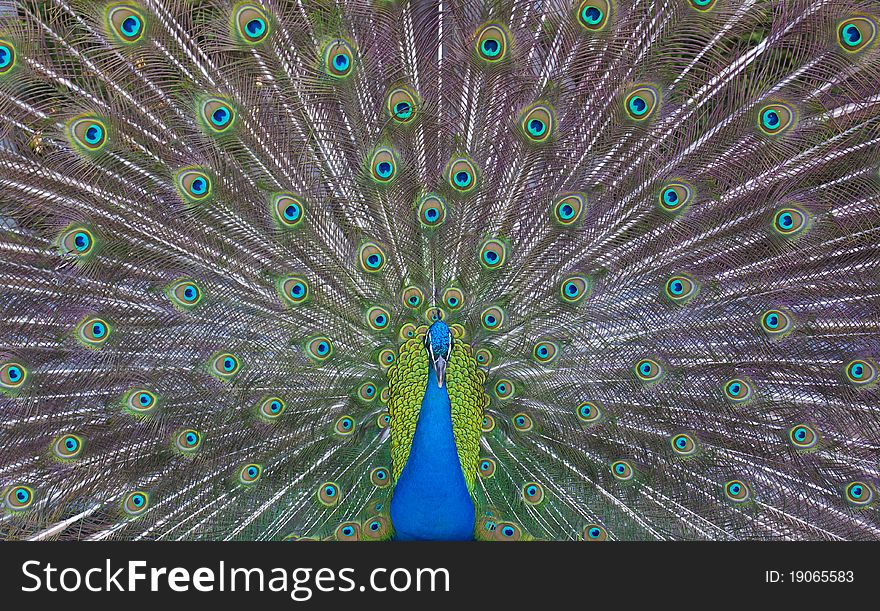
x=489, y=270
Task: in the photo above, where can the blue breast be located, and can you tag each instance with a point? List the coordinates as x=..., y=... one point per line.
x=431, y=500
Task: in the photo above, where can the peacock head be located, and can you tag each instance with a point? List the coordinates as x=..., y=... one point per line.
x=438, y=342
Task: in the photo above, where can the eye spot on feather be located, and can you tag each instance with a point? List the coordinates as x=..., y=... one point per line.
x=345, y=425
x=493, y=253
x=649, y=370
x=378, y=318
x=380, y=477
x=537, y=123
x=250, y=24
x=856, y=33
x=67, y=447
x=594, y=532
x=431, y=210
x=18, y=497
x=574, y=288
x=184, y=294
x=375, y=528
x=859, y=493
x=491, y=43
x=367, y=392
x=7, y=57
x=383, y=420
x=642, y=102
x=736, y=491
x=486, y=468
x=383, y=165
x=675, y=197
x=680, y=289
x=545, y=352
x=453, y=298
x=249, y=474
x=738, y=390
x=12, y=375
x=140, y=402
x=703, y=5
x=777, y=323
x=87, y=134
x=434, y=313
x=461, y=173
x=412, y=297
x=774, y=119
x=622, y=470
x=588, y=412
x=93, y=332
x=371, y=257
x=483, y=357
x=790, y=222
x=271, y=408
x=224, y=365
x=567, y=208
x=194, y=185
x=126, y=24
x=803, y=437
x=504, y=389
x=401, y=104
x=328, y=494
x=386, y=358
x=217, y=115
x=136, y=503
x=533, y=493
x=287, y=210
x=488, y=423
x=188, y=441
x=348, y=531
x=492, y=318
x=861, y=372
x=593, y=15
x=338, y=58
x=76, y=241
x=522, y=422
x=508, y=531
x=683, y=444
x=294, y=290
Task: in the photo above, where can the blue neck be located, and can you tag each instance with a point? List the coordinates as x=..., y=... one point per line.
x=431, y=500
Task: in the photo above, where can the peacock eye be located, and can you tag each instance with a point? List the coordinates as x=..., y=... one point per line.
x=294, y=290
x=703, y=5
x=140, y=402
x=7, y=57
x=271, y=408
x=376, y=527
x=461, y=174
x=401, y=104
x=622, y=470
x=135, y=503
x=493, y=253
x=681, y=289
x=319, y=349
x=589, y=412
x=737, y=491
x=412, y=297
x=856, y=33
x=683, y=444
x=348, y=531
x=67, y=447
x=18, y=497
x=251, y=24
x=533, y=493
x=184, y=294
x=88, y=134
x=188, y=441
x=126, y=24
x=642, y=102
x=492, y=318
x=488, y=423
x=487, y=468
x=76, y=241
x=250, y=473
x=545, y=351
x=431, y=210
x=594, y=532
x=803, y=436
x=12, y=375
x=93, y=332
x=777, y=323
x=790, y=221
x=861, y=372
x=371, y=257
x=775, y=119
x=491, y=43
x=522, y=422
x=537, y=123
x=649, y=370
x=328, y=494
x=859, y=494
x=508, y=531
x=378, y=318
x=483, y=357
x=383, y=165
x=567, y=208
x=194, y=185
x=594, y=14
x=453, y=298
x=367, y=391
x=380, y=477
x=504, y=389
x=345, y=425
x=216, y=115
x=338, y=58
x=738, y=390
x=225, y=365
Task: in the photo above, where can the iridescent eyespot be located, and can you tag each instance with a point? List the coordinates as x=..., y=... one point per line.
x=491, y=42
x=126, y=23
x=140, y=401
x=328, y=494
x=522, y=422
x=589, y=412
x=861, y=372
x=287, y=210
x=7, y=57
x=492, y=318
x=401, y=104
x=545, y=351
x=251, y=24
x=184, y=294
x=622, y=470
x=224, y=365
x=386, y=357
x=338, y=58
x=383, y=420
x=383, y=165
x=453, y=298
x=790, y=221
x=384, y=394
x=774, y=119
x=856, y=33
x=504, y=389
x=135, y=503
x=777, y=323
x=194, y=185
x=703, y=5
x=371, y=257
x=488, y=423
x=675, y=196
x=407, y=331
x=367, y=391
x=803, y=436
x=348, y=531
x=294, y=290
x=412, y=297
x=567, y=208
x=188, y=441
x=376, y=528
x=319, y=348
x=492, y=253
x=345, y=425
x=574, y=288
x=486, y=468
x=88, y=133
x=537, y=123
x=249, y=474
x=483, y=357
x=594, y=14
x=12, y=375
x=681, y=289
x=67, y=447
x=461, y=174
x=271, y=408
x=508, y=531
x=380, y=477
x=93, y=332
x=217, y=115
x=594, y=532
x=433, y=314
x=76, y=241
x=642, y=102
x=649, y=370
x=378, y=318
x=859, y=493
x=736, y=491
x=683, y=444
x=18, y=497
x=431, y=210
x=738, y=390
x=533, y=493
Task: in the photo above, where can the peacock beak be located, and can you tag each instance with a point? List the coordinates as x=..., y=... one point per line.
x=440, y=370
